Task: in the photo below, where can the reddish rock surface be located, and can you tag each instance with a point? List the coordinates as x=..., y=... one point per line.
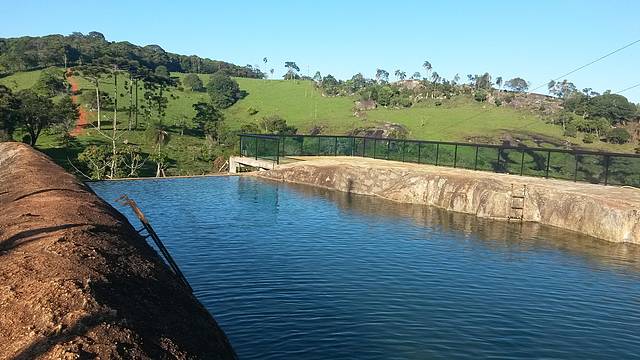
x=77, y=282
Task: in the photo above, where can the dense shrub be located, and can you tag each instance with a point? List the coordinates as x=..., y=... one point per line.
x=509, y=98
x=193, y=82
x=252, y=111
x=618, y=136
x=223, y=90
x=570, y=130
x=480, y=96
x=277, y=125
x=589, y=138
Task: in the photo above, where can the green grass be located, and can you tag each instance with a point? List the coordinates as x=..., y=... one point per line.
x=302, y=105
x=458, y=119
x=21, y=80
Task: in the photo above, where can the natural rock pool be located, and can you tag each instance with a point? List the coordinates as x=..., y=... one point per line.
x=293, y=272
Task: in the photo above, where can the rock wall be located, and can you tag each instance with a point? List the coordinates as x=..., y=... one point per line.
x=606, y=212
x=76, y=281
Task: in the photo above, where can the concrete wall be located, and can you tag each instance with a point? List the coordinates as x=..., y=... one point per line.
x=236, y=161
x=610, y=213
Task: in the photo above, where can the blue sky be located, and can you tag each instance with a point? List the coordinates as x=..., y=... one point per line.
x=536, y=40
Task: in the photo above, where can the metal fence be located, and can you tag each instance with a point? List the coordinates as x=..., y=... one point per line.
x=576, y=165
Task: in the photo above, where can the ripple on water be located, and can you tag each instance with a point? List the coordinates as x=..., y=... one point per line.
x=296, y=272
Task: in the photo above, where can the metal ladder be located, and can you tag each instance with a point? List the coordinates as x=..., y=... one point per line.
x=173, y=266
x=516, y=212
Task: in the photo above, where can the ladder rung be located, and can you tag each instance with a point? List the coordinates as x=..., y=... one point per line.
x=517, y=196
x=517, y=207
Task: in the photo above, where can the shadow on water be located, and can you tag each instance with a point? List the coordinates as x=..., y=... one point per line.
x=494, y=234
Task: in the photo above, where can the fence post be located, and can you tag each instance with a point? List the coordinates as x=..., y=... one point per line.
x=281, y=139
x=437, y=152
x=301, y=145
x=475, y=165
x=522, y=163
x=575, y=171
x=499, y=156
x=364, y=146
x=375, y=142
x=548, y=164
x=419, y=147
x=278, y=152
x=353, y=145
x=335, y=147
x=404, y=147
x=455, y=156
x=388, y=147
x=606, y=169
x=257, y=148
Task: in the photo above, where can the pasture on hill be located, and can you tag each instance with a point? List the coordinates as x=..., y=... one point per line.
x=302, y=105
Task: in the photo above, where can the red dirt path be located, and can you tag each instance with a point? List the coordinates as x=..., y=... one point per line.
x=83, y=119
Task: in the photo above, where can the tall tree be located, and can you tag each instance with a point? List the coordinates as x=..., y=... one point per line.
x=193, y=82
x=209, y=120
x=499, y=82
x=67, y=113
x=159, y=136
x=416, y=75
x=563, y=89
x=382, y=76
x=223, y=90
x=36, y=113
x=162, y=71
x=483, y=81
x=93, y=73
x=400, y=75
x=435, y=77
x=427, y=67
x=292, y=70
x=9, y=106
x=317, y=77
x=517, y=84
x=265, y=60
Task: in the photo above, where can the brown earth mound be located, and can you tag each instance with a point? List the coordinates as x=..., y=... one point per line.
x=77, y=282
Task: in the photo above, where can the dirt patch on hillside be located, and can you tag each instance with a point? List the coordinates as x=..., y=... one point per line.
x=77, y=282
x=83, y=118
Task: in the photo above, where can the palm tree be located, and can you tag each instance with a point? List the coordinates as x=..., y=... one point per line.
x=435, y=77
x=416, y=76
x=265, y=60
x=499, y=82
x=427, y=66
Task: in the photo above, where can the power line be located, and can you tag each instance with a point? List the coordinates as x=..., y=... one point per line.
x=558, y=78
x=629, y=88
x=589, y=64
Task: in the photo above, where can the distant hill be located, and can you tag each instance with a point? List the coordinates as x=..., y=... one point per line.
x=31, y=53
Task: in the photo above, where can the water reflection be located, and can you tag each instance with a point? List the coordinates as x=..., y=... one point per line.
x=490, y=233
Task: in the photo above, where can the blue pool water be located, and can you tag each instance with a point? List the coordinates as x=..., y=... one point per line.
x=293, y=272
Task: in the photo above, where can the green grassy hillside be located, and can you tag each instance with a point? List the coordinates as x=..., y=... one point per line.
x=457, y=119
x=302, y=105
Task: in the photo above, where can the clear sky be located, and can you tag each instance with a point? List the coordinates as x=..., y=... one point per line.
x=537, y=40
